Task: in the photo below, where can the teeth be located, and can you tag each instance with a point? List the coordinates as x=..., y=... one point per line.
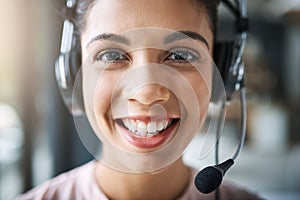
x=126, y=122
x=131, y=126
x=142, y=129
x=165, y=123
x=160, y=126
x=151, y=127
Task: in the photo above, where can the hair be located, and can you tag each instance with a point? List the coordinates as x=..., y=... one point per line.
x=83, y=7
x=81, y=10
x=212, y=12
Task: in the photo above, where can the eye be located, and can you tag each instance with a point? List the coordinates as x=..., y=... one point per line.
x=111, y=56
x=183, y=55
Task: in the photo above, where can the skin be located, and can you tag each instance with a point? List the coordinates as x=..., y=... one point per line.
x=106, y=17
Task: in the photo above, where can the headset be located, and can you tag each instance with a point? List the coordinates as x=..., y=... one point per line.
x=227, y=57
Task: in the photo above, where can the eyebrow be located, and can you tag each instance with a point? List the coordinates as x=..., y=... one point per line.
x=180, y=35
x=109, y=36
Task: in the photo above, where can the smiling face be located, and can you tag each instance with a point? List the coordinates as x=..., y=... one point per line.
x=145, y=87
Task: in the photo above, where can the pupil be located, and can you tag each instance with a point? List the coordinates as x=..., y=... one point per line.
x=113, y=56
x=180, y=56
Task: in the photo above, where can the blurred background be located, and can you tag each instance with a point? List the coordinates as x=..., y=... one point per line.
x=37, y=135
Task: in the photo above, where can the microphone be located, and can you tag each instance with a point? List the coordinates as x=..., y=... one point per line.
x=210, y=178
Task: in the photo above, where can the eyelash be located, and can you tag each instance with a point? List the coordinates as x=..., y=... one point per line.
x=175, y=55
x=118, y=56
x=190, y=56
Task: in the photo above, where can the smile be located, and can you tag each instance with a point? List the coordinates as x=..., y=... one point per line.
x=146, y=133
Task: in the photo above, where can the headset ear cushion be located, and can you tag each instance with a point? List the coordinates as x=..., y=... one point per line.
x=223, y=52
x=68, y=77
x=223, y=58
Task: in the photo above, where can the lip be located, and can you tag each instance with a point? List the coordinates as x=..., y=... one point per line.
x=147, y=142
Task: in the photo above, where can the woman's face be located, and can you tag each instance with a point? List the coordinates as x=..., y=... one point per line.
x=135, y=78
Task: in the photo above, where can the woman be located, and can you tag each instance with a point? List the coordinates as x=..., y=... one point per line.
x=146, y=87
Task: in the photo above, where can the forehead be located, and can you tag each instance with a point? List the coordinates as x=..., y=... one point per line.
x=115, y=16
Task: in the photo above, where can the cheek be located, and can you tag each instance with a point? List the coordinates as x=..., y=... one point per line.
x=105, y=89
x=97, y=90
x=103, y=95
x=202, y=91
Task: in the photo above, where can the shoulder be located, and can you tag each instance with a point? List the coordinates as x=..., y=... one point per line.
x=70, y=185
x=227, y=191
x=230, y=190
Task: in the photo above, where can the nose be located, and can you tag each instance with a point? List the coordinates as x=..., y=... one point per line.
x=150, y=94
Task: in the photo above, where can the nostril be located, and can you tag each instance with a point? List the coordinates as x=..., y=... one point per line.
x=150, y=93
x=164, y=93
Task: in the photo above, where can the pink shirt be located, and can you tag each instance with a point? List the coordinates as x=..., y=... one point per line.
x=80, y=184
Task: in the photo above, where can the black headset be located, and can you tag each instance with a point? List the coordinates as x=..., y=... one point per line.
x=227, y=55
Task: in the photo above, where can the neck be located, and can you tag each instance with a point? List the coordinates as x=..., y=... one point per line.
x=168, y=183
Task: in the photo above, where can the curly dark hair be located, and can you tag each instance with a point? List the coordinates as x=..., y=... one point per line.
x=83, y=6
